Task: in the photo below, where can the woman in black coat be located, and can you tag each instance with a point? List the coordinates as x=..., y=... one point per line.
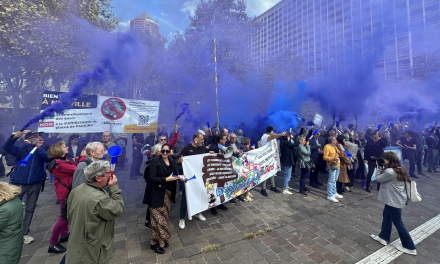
x=161, y=191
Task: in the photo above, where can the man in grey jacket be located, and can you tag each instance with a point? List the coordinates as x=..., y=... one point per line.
x=95, y=151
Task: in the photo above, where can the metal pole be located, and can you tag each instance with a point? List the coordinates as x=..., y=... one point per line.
x=216, y=85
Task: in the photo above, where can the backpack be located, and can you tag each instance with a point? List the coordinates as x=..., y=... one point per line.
x=64, y=209
x=411, y=191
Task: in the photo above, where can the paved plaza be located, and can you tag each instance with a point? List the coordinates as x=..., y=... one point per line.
x=304, y=229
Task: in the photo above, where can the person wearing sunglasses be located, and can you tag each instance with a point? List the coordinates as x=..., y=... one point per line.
x=161, y=191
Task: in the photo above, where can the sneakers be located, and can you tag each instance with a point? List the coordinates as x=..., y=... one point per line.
x=333, y=199
x=380, y=240
x=303, y=193
x=250, y=194
x=290, y=189
x=27, y=239
x=338, y=196
x=148, y=225
x=275, y=189
x=182, y=223
x=56, y=249
x=286, y=191
x=264, y=193
x=240, y=198
x=248, y=199
x=407, y=251
x=199, y=216
x=233, y=201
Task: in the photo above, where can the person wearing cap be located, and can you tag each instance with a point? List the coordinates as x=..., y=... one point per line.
x=91, y=213
x=30, y=178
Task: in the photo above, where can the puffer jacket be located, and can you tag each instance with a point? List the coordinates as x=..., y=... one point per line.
x=303, y=156
x=11, y=232
x=63, y=169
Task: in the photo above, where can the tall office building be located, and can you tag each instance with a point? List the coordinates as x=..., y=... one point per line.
x=333, y=35
x=145, y=25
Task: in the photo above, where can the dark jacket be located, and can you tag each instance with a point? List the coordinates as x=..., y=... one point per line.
x=314, y=148
x=70, y=151
x=34, y=172
x=374, y=149
x=286, y=150
x=394, y=136
x=157, y=184
x=11, y=233
x=432, y=142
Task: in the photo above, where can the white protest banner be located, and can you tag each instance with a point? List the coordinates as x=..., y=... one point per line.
x=219, y=179
x=92, y=113
x=317, y=120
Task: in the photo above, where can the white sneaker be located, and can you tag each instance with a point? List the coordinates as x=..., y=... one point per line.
x=182, y=223
x=380, y=240
x=338, y=196
x=286, y=191
x=407, y=251
x=333, y=199
x=200, y=217
x=290, y=189
x=27, y=239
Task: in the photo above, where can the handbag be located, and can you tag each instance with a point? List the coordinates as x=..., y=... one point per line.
x=333, y=165
x=411, y=191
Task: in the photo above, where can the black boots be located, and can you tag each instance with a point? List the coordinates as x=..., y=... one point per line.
x=158, y=249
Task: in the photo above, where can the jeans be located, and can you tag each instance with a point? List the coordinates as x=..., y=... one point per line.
x=371, y=167
x=419, y=158
x=32, y=192
x=410, y=155
x=426, y=158
x=351, y=173
x=331, y=183
x=287, y=175
x=183, y=206
x=314, y=175
x=272, y=183
x=302, y=179
x=392, y=215
x=360, y=172
x=61, y=227
x=433, y=155
x=136, y=165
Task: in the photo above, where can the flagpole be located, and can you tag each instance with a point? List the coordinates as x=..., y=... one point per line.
x=216, y=83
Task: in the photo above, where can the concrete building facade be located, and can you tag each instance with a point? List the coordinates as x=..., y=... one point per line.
x=332, y=35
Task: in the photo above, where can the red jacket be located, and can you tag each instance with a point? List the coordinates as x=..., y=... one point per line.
x=63, y=169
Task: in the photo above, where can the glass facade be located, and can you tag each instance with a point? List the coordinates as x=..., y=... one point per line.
x=332, y=35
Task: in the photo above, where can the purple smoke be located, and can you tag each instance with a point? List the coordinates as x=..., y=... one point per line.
x=183, y=106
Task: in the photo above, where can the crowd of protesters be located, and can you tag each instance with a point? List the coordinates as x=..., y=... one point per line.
x=90, y=199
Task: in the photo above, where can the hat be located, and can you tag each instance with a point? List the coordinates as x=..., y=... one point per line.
x=214, y=130
x=32, y=134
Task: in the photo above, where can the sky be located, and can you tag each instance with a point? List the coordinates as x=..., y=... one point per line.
x=172, y=15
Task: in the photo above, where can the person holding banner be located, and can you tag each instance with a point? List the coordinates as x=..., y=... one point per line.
x=266, y=137
x=161, y=191
x=196, y=147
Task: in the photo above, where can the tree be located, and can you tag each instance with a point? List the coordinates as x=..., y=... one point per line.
x=40, y=45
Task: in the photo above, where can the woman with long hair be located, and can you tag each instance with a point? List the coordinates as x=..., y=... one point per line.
x=161, y=191
x=62, y=169
x=393, y=193
x=11, y=219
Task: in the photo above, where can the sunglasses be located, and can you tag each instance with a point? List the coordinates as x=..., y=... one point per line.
x=163, y=139
x=165, y=150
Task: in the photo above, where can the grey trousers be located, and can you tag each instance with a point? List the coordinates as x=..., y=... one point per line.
x=272, y=183
x=32, y=192
x=433, y=155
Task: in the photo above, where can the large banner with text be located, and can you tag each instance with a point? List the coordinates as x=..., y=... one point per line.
x=95, y=113
x=219, y=179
